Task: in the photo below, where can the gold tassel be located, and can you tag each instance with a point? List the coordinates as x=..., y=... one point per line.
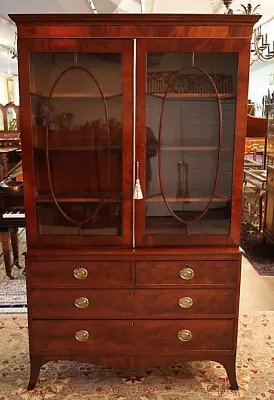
x=137, y=192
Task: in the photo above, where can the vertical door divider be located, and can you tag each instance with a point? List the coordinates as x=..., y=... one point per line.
x=134, y=140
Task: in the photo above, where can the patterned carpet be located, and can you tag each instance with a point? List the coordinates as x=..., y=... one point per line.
x=13, y=291
x=203, y=380
x=190, y=381
x=259, y=253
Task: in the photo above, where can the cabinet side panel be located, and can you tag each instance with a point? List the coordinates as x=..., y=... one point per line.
x=240, y=132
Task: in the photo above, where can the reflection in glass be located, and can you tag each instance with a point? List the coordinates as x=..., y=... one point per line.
x=105, y=222
x=77, y=136
x=216, y=220
x=191, y=176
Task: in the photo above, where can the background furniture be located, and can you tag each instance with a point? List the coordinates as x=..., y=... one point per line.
x=254, y=196
x=10, y=156
x=255, y=140
x=269, y=140
x=269, y=163
x=9, y=119
x=269, y=206
x=10, y=142
x=12, y=215
x=113, y=280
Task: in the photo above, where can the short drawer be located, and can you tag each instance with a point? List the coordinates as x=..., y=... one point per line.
x=116, y=336
x=137, y=304
x=80, y=274
x=186, y=272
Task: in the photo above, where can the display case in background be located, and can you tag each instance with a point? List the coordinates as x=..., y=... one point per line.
x=269, y=165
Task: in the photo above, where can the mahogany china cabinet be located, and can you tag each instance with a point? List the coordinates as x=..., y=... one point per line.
x=133, y=134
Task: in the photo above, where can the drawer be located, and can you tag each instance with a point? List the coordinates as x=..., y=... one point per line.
x=115, y=336
x=140, y=303
x=186, y=272
x=80, y=273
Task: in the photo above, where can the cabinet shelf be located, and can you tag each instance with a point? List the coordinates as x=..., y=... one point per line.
x=107, y=96
x=105, y=148
x=190, y=148
x=82, y=197
x=193, y=95
x=78, y=148
x=158, y=199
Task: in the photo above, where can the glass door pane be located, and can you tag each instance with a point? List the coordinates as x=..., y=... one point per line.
x=191, y=107
x=76, y=101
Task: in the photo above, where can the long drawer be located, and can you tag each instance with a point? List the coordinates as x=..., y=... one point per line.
x=80, y=274
x=139, y=303
x=105, y=337
x=186, y=272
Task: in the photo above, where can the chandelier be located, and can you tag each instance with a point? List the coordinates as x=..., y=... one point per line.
x=261, y=48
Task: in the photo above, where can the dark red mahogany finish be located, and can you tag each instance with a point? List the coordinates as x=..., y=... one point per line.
x=175, y=297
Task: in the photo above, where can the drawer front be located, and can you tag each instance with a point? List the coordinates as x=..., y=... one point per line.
x=140, y=303
x=186, y=272
x=80, y=274
x=106, y=337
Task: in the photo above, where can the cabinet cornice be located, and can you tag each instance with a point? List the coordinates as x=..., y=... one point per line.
x=135, y=19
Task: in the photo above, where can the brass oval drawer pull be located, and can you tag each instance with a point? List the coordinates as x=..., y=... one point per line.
x=81, y=302
x=80, y=273
x=184, y=335
x=81, y=335
x=186, y=273
x=186, y=302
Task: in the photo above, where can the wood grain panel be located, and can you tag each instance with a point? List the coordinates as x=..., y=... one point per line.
x=239, y=142
x=120, y=336
x=168, y=272
x=138, y=303
x=102, y=274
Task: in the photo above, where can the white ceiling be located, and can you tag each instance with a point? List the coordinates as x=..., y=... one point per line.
x=110, y=6
x=7, y=30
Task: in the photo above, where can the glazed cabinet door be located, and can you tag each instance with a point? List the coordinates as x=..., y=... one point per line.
x=191, y=123
x=77, y=141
